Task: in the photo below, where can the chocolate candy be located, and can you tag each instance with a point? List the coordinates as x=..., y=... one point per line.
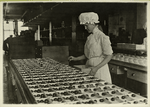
x=101, y=100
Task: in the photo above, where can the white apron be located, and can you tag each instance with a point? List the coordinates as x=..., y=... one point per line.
x=95, y=49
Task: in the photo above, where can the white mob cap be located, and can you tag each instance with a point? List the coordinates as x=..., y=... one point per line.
x=88, y=17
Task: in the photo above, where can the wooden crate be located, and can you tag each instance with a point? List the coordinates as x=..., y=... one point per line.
x=58, y=53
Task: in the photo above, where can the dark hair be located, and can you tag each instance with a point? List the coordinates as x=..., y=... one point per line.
x=100, y=27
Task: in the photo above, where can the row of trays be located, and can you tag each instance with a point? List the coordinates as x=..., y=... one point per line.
x=51, y=82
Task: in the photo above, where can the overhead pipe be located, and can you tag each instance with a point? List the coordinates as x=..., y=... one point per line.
x=44, y=12
x=24, y=14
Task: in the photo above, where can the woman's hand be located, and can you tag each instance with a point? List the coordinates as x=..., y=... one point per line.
x=71, y=58
x=93, y=71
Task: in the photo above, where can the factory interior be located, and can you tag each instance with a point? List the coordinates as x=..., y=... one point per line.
x=40, y=37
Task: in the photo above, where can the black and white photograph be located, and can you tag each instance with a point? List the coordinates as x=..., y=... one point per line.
x=74, y=53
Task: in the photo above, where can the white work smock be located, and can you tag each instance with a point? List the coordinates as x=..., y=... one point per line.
x=96, y=47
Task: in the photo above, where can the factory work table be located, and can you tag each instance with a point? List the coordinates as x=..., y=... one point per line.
x=130, y=72
x=46, y=81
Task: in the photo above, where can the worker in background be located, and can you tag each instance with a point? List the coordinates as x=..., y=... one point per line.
x=6, y=44
x=139, y=35
x=5, y=48
x=97, y=49
x=123, y=36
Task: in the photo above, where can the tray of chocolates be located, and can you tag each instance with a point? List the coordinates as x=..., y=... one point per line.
x=51, y=82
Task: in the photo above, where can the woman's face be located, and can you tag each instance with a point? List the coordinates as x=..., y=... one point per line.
x=89, y=27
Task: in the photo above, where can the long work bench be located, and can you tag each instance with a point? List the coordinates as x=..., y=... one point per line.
x=131, y=76
x=46, y=81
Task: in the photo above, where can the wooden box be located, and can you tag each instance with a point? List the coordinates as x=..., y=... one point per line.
x=58, y=53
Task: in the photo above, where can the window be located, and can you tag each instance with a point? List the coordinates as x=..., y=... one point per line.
x=20, y=28
x=9, y=28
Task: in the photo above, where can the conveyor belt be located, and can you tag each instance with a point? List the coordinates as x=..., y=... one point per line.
x=50, y=82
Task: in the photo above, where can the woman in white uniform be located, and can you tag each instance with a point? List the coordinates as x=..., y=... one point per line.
x=97, y=48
